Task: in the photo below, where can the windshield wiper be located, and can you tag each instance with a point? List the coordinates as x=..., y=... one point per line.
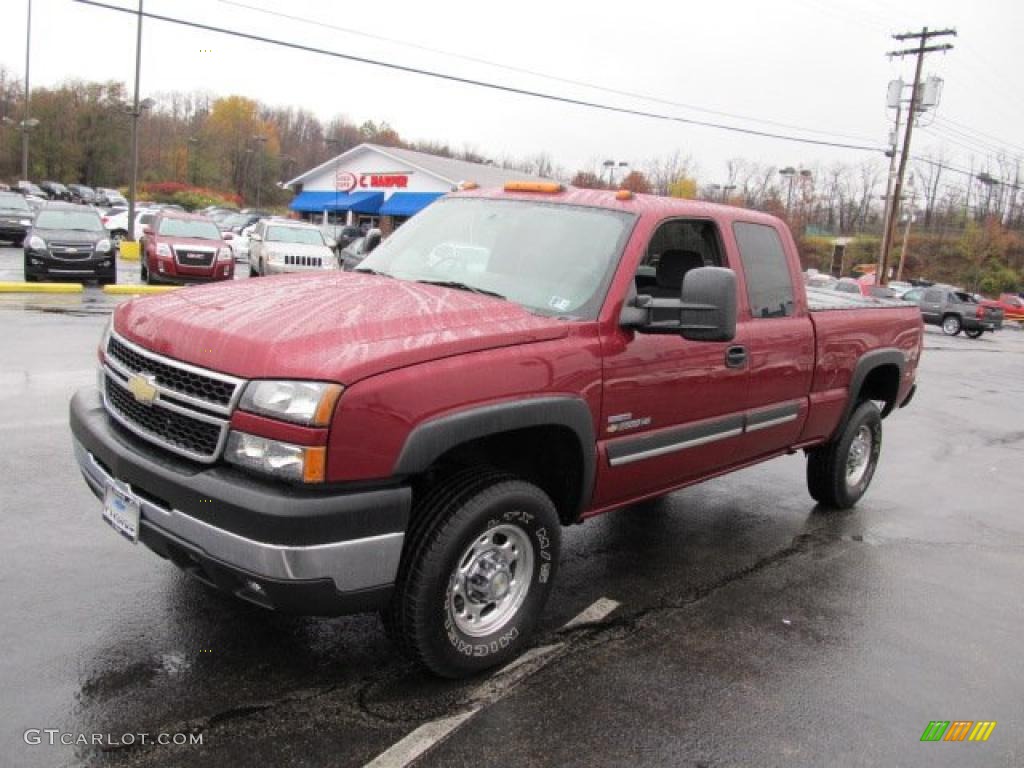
x=368, y=271
x=462, y=287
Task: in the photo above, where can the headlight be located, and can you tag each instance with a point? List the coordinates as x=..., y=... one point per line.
x=26, y=222
x=36, y=243
x=303, y=402
x=300, y=463
x=103, y=245
x=224, y=254
x=163, y=249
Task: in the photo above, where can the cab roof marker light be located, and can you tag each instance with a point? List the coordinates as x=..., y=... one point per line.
x=466, y=185
x=548, y=187
x=624, y=194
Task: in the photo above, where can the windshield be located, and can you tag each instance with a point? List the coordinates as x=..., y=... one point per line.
x=299, y=235
x=189, y=228
x=9, y=202
x=85, y=221
x=552, y=259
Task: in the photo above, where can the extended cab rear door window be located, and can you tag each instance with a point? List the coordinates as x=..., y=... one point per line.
x=768, y=278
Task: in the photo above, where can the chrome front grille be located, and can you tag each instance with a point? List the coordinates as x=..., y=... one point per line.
x=194, y=257
x=292, y=260
x=190, y=410
x=71, y=251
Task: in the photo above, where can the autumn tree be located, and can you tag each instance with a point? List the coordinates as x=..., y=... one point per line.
x=636, y=182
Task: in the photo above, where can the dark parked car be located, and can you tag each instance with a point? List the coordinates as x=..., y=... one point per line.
x=110, y=198
x=55, y=190
x=956, y=311
x=15, y=217
x=354, y=253
x=82, y=194
x=68, y=240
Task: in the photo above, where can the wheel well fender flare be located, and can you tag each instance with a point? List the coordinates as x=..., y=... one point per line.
x=868, y=363
x=431, y=439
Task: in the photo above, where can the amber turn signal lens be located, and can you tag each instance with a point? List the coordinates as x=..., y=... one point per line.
x=314, y=468
x=325, y=409
x=623, y=194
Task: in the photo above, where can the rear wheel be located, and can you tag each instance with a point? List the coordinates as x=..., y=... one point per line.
x=974, y=334
x=479, y=561
x=839, y=472
x=951, y=325
x=252, y=270
x=117, y=237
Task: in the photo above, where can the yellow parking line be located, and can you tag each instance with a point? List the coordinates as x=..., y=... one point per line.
x=41, y=287
x=133, y=290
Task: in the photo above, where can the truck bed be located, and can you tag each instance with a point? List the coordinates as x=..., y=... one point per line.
x=819, y=300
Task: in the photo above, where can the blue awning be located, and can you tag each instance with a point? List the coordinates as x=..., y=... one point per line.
x=312, y=201
x=408, y=203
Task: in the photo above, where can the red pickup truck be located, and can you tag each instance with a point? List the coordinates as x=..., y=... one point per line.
x=411, y=436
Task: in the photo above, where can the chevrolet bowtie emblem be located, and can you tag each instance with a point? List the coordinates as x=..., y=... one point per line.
x=143, y=387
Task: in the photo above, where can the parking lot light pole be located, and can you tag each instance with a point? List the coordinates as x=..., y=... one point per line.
x=26, y=121
x=261, y=142
x=135, y=111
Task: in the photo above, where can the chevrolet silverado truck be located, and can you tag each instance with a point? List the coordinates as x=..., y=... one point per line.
x=412, y=436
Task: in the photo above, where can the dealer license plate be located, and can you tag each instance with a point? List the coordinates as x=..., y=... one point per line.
x=121, y=511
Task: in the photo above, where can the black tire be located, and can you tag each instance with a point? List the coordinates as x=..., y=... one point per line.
x=455, y=522
x=147, y=276
x=110, y=279
x=252, y=270
x=951, y=325
x=829, y=478
x=31, y=278
x=974, y=334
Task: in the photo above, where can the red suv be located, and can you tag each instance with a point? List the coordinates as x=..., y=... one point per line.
x=184, y=248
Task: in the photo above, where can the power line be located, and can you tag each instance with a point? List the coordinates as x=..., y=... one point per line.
x=536, y=73
x=477, y=83
x=967, y=130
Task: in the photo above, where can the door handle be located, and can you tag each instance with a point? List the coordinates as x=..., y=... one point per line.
x=736, y=357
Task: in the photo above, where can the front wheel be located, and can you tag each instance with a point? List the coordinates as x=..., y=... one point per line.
x=478, y=565
x=839, y=472
x=951, y=325
x=974, y=334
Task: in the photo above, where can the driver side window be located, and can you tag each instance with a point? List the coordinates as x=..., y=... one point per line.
x=677, y=247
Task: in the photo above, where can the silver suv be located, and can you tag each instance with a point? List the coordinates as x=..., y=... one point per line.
x=277, y=246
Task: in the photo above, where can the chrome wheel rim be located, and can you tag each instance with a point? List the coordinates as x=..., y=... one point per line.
x=859, y=457
x=949, y=326
x=491, y=580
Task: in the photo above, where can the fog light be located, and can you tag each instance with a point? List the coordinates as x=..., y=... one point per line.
x=252, y=586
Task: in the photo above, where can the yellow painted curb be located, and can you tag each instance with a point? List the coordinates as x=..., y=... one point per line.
x=133, y=290
x=41, y=288
x=129, y=250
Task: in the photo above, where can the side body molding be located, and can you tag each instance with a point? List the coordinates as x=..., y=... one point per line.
x=431, y=439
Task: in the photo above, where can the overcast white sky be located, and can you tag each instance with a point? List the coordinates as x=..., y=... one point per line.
x=809, y=63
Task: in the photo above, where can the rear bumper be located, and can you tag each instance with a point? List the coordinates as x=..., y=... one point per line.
x=327, y=553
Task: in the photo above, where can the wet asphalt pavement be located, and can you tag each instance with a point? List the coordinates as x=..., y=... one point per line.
x=752, y=628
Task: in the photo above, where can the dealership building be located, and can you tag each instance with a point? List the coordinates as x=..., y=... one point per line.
x=377, y=186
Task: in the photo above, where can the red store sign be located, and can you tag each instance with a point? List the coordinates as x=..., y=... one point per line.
x=346, y=181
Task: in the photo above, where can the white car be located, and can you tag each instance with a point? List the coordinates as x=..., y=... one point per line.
x=277, y=246
x=117, y=225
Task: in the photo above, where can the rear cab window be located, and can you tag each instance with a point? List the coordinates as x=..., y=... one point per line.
x=768, y=277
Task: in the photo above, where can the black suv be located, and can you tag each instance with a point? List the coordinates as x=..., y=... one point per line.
x=69, y=240
x=55, y=190
x=15, y=218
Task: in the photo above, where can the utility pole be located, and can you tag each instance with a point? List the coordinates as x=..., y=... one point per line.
x=923, y=36
x=906, y=231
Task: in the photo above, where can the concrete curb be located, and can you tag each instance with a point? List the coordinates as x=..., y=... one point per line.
x=41, y=287
x=138, y=290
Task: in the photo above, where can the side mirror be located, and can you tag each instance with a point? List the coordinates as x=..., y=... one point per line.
x=227, y=235
x=331, y=243
x=255, y=237
x=705, y=312
x=147, y=230
x=373, y=238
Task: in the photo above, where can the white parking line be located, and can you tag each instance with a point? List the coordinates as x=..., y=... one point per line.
x=428, y=735
x=419, y=741
x=593, y=614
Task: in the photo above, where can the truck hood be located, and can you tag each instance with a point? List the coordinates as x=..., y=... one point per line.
x=337, y=326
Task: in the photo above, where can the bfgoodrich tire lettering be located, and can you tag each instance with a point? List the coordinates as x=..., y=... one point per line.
x=468, y=537
x=839, y=472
